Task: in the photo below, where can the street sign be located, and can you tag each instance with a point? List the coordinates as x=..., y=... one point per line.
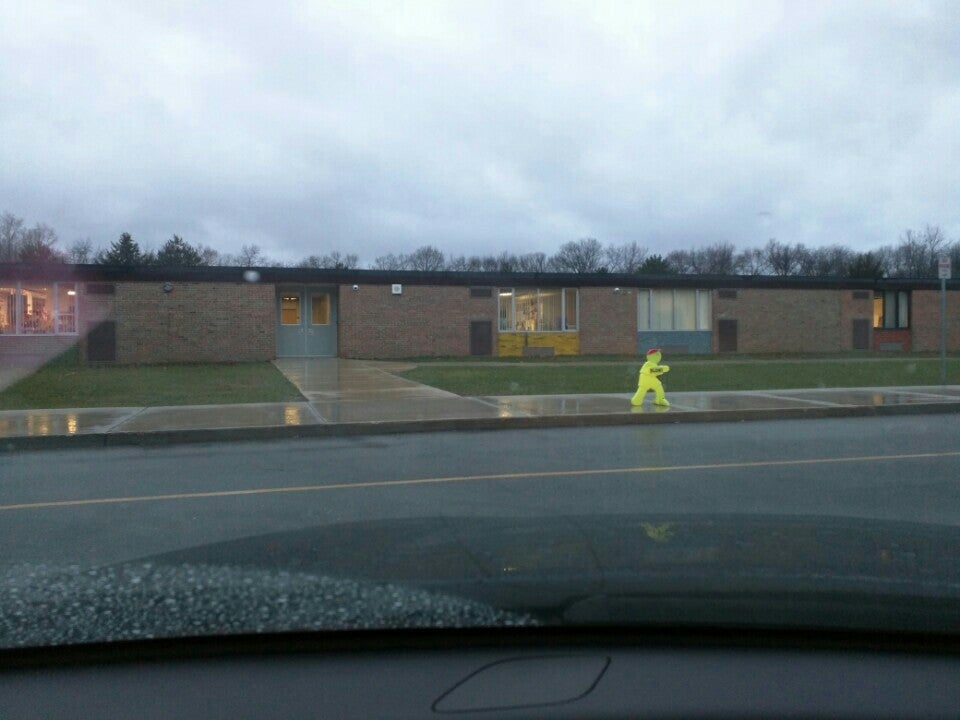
x=943, y=268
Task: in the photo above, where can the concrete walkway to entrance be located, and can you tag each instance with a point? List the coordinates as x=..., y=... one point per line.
x=343, y=391
x=363, y=394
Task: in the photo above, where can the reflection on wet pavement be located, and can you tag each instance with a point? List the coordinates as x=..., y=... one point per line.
x=376, y=395
x=870, y=397
x=60, y=422
x=198, y=417
x=443, y=408
x=737, y=401
x=942, y=391
x=539, y=405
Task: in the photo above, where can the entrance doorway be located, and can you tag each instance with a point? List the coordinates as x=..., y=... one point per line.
x=306, y=321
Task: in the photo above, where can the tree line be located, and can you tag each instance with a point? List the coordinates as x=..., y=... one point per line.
x=914, y=255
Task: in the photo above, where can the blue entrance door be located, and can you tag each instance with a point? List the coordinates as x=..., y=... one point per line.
x=306, y=321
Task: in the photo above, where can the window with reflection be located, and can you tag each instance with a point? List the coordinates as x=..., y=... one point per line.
x=8, y=310
x=290, y=310
x=538, y=310
x=66, y=308
x=891, y=310
x=673, y=309
x=320, y=309
x=36, y=309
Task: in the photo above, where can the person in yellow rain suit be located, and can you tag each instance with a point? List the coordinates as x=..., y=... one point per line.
x=650, y=379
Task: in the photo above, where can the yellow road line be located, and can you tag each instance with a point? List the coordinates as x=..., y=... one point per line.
x=471, y=478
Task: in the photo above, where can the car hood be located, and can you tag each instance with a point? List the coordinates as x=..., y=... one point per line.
x=716, y=570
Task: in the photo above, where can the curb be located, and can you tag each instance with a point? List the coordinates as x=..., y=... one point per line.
x=218, y=435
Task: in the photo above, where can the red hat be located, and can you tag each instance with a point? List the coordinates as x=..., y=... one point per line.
x=651, y=351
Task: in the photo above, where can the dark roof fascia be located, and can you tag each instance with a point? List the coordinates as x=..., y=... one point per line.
x=279, y=275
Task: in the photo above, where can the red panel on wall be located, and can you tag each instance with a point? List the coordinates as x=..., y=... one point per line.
x=891, y=339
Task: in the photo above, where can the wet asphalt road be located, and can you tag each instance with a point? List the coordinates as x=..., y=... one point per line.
x=101, y=506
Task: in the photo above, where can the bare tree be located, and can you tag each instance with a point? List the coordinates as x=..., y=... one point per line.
x=333, y=261
x=579, y=256
x=954, y=255
x=474, y=263
x=535, y=262
x=11, y=234
x=390, y=262
x=507, y=262
x=349, y=261
x=81, y=251
x=310, y=261
x=681, y=261
x=716, y=259
x=751, y=262
x=426, y=259
x=829, y=261
x=457, y=263
x=783, y=258
x=250, y=256
x=489, y=263
x=870, y=265
x=626, y=258
x=209, y=255
x=917, y=253
x=37, y=245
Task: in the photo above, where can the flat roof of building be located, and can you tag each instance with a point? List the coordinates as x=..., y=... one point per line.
x=318, y=276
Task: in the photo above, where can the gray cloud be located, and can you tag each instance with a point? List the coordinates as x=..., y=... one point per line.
x=479, y=127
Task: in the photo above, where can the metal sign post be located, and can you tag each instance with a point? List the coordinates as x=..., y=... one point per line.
x=943, y=272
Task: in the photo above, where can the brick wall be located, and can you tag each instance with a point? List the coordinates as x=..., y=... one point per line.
x=195, y=322
x=423, y=320
x=925, y=319
x=784, y=320
x=854, y=308
x=608, y=321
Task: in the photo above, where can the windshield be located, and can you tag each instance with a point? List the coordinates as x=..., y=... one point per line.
x=336, y=316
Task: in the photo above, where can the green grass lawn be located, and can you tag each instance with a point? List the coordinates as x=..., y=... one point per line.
x=65, y=383
x=550, y=378
x=711, y=357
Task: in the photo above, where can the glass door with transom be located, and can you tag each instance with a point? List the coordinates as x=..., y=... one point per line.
x=306, y=322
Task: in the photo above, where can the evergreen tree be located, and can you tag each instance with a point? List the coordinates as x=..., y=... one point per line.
x=124, y=251
x=655, y=265
x=178, y=252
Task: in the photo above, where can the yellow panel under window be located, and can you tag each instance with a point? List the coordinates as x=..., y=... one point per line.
x=513, y=344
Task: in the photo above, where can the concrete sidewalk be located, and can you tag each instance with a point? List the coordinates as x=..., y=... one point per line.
x=348, y=397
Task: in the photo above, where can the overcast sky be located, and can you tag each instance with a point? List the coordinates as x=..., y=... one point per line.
x=480, y=127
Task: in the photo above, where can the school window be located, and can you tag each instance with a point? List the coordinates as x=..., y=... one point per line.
x=673, y=309
x=320, y=309
x=891, y=309
x=38, y=308
x=538, y=310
